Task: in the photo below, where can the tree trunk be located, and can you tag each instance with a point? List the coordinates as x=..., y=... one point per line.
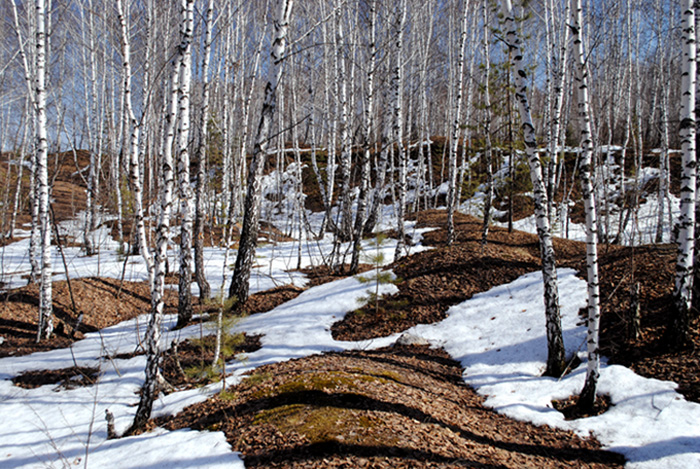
x=153, y=335
x=134, y=166
x=680, y=326
x=240, y=287
x=555, y=342
x=367, y=130
x=344, y=228
x=588, y=394
x=204, y=289
x=45, y=328
x=184, y=309
x=488, y=151
x=400, y=200
x=456, y=126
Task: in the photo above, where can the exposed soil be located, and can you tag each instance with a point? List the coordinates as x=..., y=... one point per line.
x=571, y=410
x=67, y=378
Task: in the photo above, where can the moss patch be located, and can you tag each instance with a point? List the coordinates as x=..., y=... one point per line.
x=320, y=424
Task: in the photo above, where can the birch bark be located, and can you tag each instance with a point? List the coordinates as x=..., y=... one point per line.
x=367, y=135
x=680, y=327
x=240, y=287
x=184, y=310
x=397, y=85
x=488, y=151
x=555, y=342
x=42, y=176
x=588, y=394
x=204, y=289
x=134, y=167
x=456, y=125
x=153, y=333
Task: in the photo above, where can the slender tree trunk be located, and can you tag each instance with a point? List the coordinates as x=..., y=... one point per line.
x=240, y=287
x=680, y=326
x=134, y=167
x=382, y=165
x=153, y=334
x=588, y=394
x=24, y=148
x=344, y=231
x=555, y=342
x=558, y=68
x=204, y=289
x=456, y=126
x=29, y=78
x=400, y=200
x=488, y=151
x=367, y=131
x=184, y=309
x=42, y=176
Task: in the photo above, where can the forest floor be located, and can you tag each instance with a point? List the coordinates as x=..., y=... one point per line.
x=400, y=406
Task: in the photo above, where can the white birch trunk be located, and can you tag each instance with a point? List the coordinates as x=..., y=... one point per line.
x=680, y=327
x=555, y=343
x=184, y=311
x=134, y=167
x=588, y=394
x=488, y=151
x=204, y=289
x=42, y=176
x=367, y=135
x=240, y=287
x=456, y=125
x=558, y=69
x=400, y=199
x=153, y=333
x=29, y=73
x=344, y=231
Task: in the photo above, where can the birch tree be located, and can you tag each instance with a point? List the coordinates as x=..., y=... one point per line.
x=555, y=342
x=456, y=126
x=29, y=79
x=680, y=327
x=184, y=309
x=344, y=228
x=488, y=151
x=397, y=89
x=133, y=147
x=588, y=394
x=152, y=340
x=367, y=135
x=240, y=287
x=204, y=289
x=42, y=175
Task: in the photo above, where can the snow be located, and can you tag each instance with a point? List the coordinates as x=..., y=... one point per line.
x=498, y=337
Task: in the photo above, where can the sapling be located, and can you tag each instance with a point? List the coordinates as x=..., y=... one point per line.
x=378, y=277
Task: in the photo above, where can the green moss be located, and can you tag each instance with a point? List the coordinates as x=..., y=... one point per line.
x=318, y=424
x=392, y=375
x=227, y=395
x=203, y=374
x=257, y=378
